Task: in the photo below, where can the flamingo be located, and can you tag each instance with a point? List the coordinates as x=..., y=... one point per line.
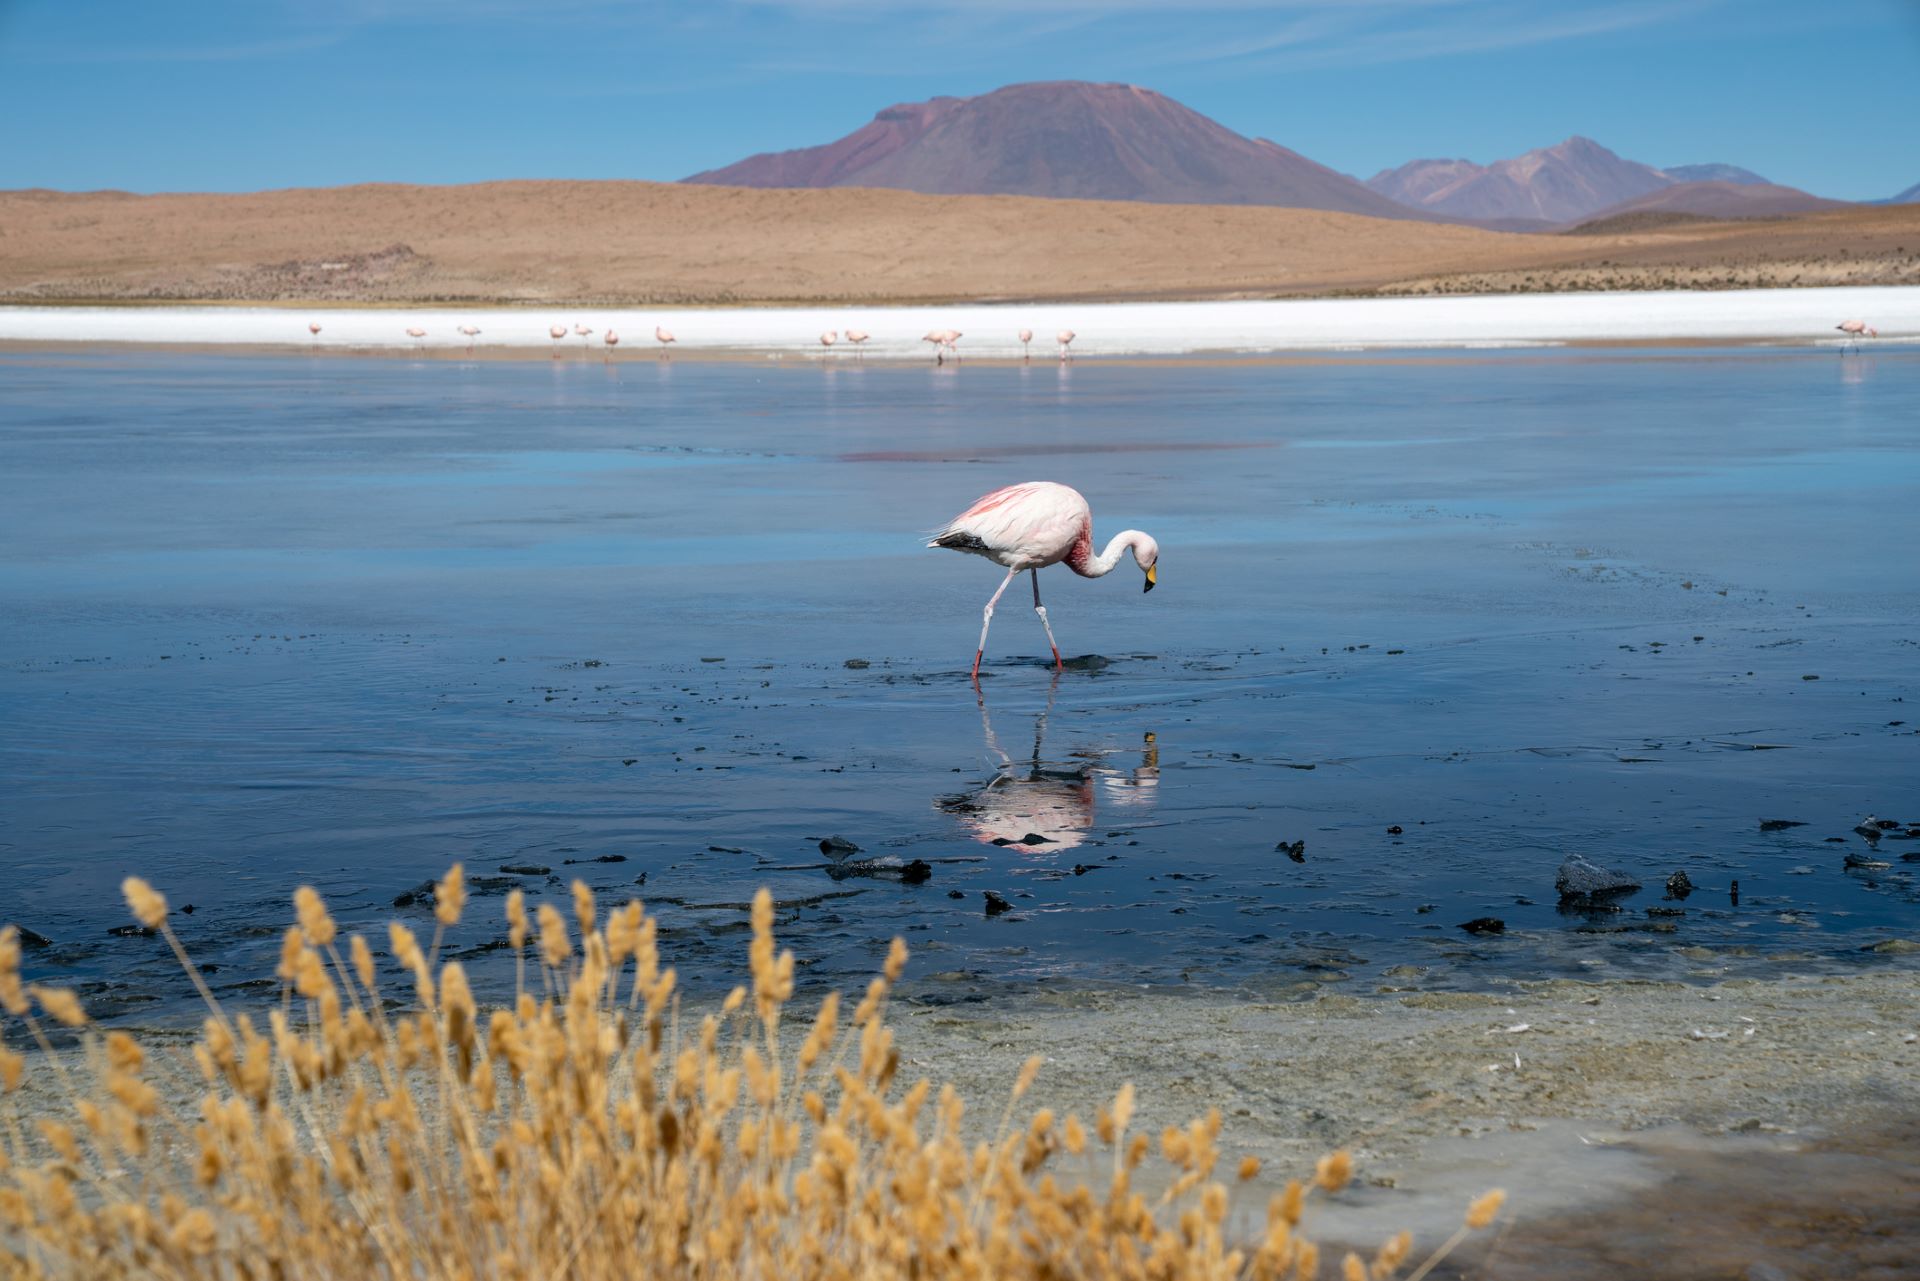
x=416, y=333
x=586, y=335
x=556, y=332
x=313, y=327
x=830, y=337
x=472, y=332
x=1027, y=527
x=1026, y=336
x=858, y=337
x=1853, y=329
x=1065, y=338
x=612, y=340
x=663, y=336
x=938, y=338
x=949, y=338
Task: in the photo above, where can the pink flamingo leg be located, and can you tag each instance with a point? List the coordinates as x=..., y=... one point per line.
x=1041, y=610
x=986, y=621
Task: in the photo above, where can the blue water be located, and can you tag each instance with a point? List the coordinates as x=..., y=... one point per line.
x=274, y=619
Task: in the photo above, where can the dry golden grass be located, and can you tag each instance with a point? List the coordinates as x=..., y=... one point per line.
x=589, y=1131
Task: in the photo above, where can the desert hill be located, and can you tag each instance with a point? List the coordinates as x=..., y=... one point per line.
x=667, y=243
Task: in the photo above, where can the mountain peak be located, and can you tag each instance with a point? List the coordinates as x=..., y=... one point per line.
x=1061, y=138
x=1562, y=183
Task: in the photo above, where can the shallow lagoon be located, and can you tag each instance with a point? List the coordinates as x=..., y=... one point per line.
x=273, y=618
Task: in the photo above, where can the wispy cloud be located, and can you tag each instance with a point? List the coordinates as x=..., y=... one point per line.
x=243, y=51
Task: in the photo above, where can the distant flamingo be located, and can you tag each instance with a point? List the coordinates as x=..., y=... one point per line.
x=1854, y=329
x=612, y=340
x=556, y=332
x=586, y=335
x=1026, y=336
x=472, y=332
x=313, y=327
x=828, y=338
x=663, y=336
x=858, y=338
x=1065, y=337
x=416, y=333
x=938, y=337
x=1029, y=526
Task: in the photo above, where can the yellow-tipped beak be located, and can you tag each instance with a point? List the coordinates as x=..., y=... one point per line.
x=1153, y=576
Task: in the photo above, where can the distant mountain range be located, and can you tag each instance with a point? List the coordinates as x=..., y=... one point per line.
x=1911, y=196
x=1071, y=139
x=1064, y=139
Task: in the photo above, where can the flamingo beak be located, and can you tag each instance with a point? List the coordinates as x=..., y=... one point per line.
x=1153, y=576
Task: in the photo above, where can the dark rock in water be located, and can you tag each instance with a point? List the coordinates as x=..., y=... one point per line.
x=1395, y=830
x=1892, y=947
x=1666, y=911
x=918, y=872
x=1679, y=885
x=995, y=903
x=1582, y=881
x=1484, y=925
x=1836, y=840
x=1869, y=829
x=1081, y=869
x=1733, y=894
x=525, y=869
x=1866, y=862
x=604, y=858
x=1779, y=824
x=132, y=932
x=1884, y=824
x=858, y=664
x=1034, y=838
x=955, y=894
x=419, y=894
x=725, y=849
x=885, y=866
x=1296, y=850
x=188, y=911
x=32, y=938
x=1086, y=663
x=838, y=847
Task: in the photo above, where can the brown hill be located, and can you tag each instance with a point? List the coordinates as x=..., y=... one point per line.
x=633, y=242
x=1062, y=139
x=1722, y=200
x=1555, y=184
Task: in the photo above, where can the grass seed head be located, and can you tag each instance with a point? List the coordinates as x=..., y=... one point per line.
x=147, y=904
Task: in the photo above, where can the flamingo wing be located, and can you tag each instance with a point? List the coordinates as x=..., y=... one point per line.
x=1028, y=525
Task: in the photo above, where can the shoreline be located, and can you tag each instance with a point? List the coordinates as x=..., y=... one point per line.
x=1238, y=329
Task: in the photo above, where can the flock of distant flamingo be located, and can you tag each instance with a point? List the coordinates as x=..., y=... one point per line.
x=945, y=342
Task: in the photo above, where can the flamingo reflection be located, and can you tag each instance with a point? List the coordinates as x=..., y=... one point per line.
x=1048, y=806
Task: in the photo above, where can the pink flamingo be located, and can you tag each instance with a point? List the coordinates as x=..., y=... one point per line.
x=313, y=327
x=472, y=332
x=416, y=333
x=938, y=338
x=663, y=336
x=1065, y=337
x=1854, y=329
x=556, y=332
x=1026, y=336
x=830, y=337
x=1027, y=527
x=586, y=335
x=858, y=338
x=612, y=340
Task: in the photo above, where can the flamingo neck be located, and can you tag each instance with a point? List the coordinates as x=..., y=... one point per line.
x=1087, y=566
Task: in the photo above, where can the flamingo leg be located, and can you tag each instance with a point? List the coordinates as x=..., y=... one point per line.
x=1041, y=610
x=986, y=621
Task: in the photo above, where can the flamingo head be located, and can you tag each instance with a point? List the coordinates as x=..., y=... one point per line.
x=1872, y=332
x=1147, y=553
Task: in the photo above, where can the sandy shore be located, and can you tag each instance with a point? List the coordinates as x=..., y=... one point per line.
x=1799, y=316
x=615, y=244
x=1588, y=1102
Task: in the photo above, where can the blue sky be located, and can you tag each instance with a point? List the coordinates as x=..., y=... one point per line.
x=222, y=96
